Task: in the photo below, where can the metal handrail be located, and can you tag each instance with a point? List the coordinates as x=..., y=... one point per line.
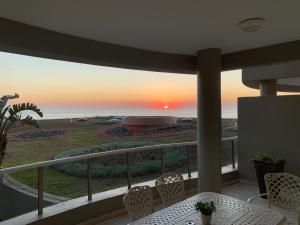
x=98, y=154
x=88, y=157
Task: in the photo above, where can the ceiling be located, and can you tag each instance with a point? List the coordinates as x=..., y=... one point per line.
x=283, y=85
x=287, y=75
x=170, y=26
x=290, y=81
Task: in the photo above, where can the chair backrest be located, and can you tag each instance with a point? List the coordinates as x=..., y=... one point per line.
x=170, y=187
x=283, y=190
x=138, y=202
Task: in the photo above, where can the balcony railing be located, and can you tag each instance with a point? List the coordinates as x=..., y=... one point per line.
x=88, y=157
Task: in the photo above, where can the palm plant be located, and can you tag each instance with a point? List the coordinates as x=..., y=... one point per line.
x=11, y=116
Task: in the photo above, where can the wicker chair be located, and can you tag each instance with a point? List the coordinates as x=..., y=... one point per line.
x=170, y=187
x=283, y=191
x=138, y=202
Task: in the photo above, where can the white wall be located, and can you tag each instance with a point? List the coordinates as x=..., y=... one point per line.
x=269, y=124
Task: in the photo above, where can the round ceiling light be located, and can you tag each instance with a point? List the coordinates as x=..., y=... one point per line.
x=251, y=24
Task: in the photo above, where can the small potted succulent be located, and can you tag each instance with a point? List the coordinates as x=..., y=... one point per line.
x=263, y=164
x=206, y=209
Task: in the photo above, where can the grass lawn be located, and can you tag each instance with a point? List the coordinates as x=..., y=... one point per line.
x=78, y=134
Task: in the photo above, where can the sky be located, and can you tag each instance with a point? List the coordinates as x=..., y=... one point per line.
x=53, y=83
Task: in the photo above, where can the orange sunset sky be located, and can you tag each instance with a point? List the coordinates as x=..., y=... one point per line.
x=51, y=82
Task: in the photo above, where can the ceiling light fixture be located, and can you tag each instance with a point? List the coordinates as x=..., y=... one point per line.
x=251, y=24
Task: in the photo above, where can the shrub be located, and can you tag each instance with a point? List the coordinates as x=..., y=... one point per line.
x=142, y=163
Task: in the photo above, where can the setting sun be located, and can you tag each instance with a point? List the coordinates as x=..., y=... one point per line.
x=166, y=107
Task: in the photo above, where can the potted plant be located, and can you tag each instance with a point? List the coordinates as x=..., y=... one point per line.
x=263, y=164
x=206, y=209
x=11, y=116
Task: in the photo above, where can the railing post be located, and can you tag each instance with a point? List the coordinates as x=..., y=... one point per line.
x=89, y=175
x=128, y=170
x=162, y=161
x=232, y=154
x=189, y=148
x=40, y=190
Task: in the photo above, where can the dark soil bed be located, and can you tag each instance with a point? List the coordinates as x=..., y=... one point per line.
x=40, y=134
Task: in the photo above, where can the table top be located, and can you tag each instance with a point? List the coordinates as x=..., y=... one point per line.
x=228, y=211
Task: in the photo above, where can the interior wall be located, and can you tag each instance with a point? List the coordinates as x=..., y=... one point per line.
x=269, y=124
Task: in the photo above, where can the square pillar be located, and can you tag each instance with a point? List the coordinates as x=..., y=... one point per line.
x=209, y=120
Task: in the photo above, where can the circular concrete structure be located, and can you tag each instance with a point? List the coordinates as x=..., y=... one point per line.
x=148, y=120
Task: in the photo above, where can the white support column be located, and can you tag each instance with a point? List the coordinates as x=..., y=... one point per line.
x=268, y=88
x=209, y=120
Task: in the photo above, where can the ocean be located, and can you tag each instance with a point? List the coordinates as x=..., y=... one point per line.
x=62, y=112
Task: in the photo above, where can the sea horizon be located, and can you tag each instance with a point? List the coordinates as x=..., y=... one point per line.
x=68, y=112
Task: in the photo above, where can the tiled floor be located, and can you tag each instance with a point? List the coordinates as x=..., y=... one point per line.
x=239, y=190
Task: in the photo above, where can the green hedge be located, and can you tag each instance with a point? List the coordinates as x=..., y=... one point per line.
x=143, y=163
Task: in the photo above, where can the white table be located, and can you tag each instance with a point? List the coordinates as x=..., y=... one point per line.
x=229, y=211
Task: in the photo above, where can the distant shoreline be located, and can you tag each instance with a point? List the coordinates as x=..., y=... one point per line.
x=90, y=112
x=75, y=119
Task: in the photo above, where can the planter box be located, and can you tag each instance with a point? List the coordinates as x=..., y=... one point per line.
x=263, y=167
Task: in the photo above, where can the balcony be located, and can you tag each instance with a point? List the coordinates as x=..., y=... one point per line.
x=200, y=39
x=50, y=207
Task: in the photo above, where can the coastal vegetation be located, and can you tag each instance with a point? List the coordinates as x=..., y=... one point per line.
x=26, y=145
x=143, y=163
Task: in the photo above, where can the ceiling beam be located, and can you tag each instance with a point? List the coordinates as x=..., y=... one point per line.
x=29, y=40
x=24, y=39
x=279, y=87
x=272, y=54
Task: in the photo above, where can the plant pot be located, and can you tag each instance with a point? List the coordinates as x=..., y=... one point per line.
x=206, y=220
x=263, y=167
